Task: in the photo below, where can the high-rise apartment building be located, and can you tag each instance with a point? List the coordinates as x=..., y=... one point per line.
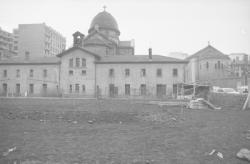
x=39, y=40
x=8, y=44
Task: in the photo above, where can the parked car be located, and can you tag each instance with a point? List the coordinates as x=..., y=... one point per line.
x=242, y=89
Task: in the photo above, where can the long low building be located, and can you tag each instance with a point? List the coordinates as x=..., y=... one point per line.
x=97, y=65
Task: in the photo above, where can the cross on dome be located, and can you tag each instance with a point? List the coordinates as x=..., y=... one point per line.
x=104, y=8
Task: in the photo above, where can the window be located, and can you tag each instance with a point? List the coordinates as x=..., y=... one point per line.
x=127, y=72
x=44, y=88
x=159, y=73
x=71, y=72
x=45, y=73
x=143, y=89
x=218, y=65
x=127, y=89
x=83, y=72
x=5, y=74
x=31, y=73
x=18, y=73
x=77, y=88
x=83, y=62
x=207, y=65
x=175, y=72
x=215, y=65
x=221, y=65
x=143, y=72
x=83, y=89
x=31, y=88
x=77, y=62
x=18, y=89
x=71, y=62
x=111, y=72
x=70, y=88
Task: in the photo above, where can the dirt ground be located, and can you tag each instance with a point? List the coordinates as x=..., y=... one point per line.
x=79, y=131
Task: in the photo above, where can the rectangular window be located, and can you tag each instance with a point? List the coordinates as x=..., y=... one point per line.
x=31, y=88
x=45, y=73
x=18, y=89
x=18, y=73
x=77, y=62
x=159, y=73
x=71, y=62
x=207, y=65
x=143, y=72
x=83, y=62
x=77, y=88
x=44, y=88
x=127, y=89
x=83, y=72
x=83, y=89
x=111, y=72
x=143, y=89
x=127, y=72
x=175, y=72
x=5, y=74
x=31, y=73
x=71, y=72
x=70, y=88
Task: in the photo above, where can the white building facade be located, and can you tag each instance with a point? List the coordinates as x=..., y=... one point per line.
x=98, y=65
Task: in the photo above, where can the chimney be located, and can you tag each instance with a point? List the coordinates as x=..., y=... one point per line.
x=27, y=55
x=150, y=53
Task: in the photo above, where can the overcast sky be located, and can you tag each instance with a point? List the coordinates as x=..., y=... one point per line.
x=165, y=25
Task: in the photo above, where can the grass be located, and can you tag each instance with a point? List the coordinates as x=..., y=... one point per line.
x=118, y=131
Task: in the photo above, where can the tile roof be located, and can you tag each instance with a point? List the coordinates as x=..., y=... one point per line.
x=30, y=61
x=208, y=52
x=139, y=59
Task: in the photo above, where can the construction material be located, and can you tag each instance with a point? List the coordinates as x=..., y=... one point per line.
x=201, y=103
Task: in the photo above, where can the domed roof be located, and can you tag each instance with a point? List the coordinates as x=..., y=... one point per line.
x=104, y=20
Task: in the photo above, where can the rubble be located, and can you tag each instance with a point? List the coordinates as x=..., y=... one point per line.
x=9, y=151
x=244, y=154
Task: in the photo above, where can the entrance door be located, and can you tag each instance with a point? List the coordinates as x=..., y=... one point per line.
x=111, y=90
x=17, y=89
x=5, y=87
x=161, y=90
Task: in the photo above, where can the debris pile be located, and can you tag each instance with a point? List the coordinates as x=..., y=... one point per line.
x=244, y=154
x=201, y=103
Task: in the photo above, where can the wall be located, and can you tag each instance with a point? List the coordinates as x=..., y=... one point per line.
x=77, y=78
x=135, y=79
x=52, y=79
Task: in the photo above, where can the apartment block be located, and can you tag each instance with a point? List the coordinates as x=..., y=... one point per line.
x=39, y=40
x=8, y=44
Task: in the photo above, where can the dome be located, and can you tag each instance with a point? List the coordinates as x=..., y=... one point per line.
x=104, y=20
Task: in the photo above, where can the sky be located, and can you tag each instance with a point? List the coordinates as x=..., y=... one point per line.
x=163, y=25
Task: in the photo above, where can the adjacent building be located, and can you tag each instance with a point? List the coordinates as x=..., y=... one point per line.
x=39, y=40
x=212, y=67
x=99, y=64
x=8, y=44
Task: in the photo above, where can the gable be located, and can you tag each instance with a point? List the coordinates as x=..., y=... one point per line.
x=78, y=49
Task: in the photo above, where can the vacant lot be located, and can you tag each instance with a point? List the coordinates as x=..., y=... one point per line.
x=118, y=132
